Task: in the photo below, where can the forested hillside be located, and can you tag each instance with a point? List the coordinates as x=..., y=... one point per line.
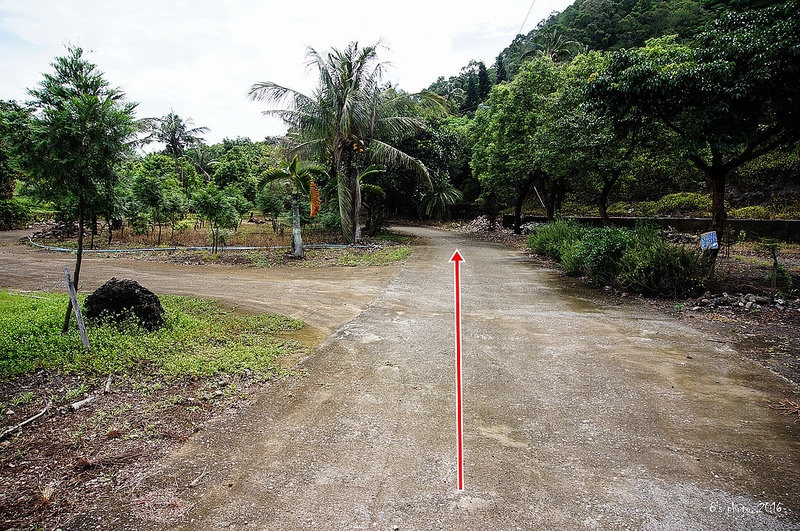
x=612, y=103
x=598, y=25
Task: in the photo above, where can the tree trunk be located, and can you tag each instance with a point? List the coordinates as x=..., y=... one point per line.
x=345, y=190
x=719, y=217
x=522, y=195
x=608, y=185
x=178, y=168
x=297, y=233
x=356, y=209
x=551, y=190
x=79, y=257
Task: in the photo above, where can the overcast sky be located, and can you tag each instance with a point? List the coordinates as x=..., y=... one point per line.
x=200, y=57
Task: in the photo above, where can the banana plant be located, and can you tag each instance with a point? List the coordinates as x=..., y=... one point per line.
x=299, y=176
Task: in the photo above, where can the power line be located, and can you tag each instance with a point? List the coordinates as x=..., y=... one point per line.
x=526, y=18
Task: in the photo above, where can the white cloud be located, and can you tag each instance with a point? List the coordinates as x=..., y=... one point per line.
x=200, y=57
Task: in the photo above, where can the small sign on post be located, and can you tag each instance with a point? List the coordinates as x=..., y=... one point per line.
x=708, y=240
x=73, y=296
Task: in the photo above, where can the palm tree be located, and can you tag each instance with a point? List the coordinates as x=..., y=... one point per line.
x=554, y=45
x=300, y=177
x=350, y=120
x=202, y=160
x=437, y=201
x=176, y=135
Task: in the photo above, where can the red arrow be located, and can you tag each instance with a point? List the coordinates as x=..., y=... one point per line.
x=457, y=259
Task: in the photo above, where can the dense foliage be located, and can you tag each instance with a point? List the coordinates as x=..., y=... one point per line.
x=631, y=260
x=640, y=107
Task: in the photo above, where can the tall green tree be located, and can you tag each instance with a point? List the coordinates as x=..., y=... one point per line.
x=177, y=135
x=80, y=129
x=352, y=119
x=506, y=157
x=10, y=113
x=222, y=208
x=299, y=177
x=729, y=99
x=156, y=189
x=578, y=142
x=484, y=83
x=501, y=74
x=445, y=150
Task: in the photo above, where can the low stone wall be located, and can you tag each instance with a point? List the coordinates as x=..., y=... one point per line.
x=780, y=229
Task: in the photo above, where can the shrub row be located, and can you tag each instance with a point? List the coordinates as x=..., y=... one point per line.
x=685, y=204
x=637, y=260
x=13, y=214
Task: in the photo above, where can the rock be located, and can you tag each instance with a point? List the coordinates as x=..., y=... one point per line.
x=119, y=299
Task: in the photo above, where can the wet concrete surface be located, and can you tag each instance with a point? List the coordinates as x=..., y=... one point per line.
x=579, y=413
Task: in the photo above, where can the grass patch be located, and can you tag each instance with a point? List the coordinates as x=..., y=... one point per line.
x=200, y=338
x=381, y=257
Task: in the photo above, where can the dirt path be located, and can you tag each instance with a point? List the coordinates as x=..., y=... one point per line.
x=578, y=415
x=325, y=298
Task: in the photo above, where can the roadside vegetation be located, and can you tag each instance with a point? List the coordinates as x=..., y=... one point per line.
x=200, y=338
x=636, y=260
x=125, y=401
x=644, y=261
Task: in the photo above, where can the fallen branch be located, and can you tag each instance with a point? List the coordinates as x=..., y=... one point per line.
x=75, y=406
x=83, y=463
x=786, y=407
x=21, y=424
x=197, y=479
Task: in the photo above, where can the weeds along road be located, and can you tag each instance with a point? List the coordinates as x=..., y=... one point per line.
x=579, y=413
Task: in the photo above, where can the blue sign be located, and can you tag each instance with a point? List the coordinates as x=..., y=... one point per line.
x=708, y=240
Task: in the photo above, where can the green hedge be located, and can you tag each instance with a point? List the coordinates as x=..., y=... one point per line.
x=14, y=214
x=632, y=260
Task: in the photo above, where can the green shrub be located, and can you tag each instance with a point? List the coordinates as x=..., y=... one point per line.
x=684, y=204
x=633, y=260
x=551, y=238
x=183, y=225
x=573, y=258
x=140, y=224
x=14, y=213
x=621, y=209
x=751, y=212
x=787, y=206
x=602, y=250
x=654, y=267
x=648, y=209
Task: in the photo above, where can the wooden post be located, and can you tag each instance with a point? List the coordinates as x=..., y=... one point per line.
x=73, y=296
